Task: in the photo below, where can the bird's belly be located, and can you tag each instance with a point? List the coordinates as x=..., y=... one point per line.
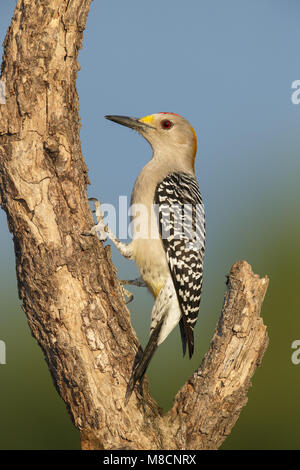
x=152, y=263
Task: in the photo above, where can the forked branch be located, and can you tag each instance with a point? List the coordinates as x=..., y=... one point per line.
x=67, y=283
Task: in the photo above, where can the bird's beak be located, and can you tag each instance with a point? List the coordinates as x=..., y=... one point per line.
x=133, y=123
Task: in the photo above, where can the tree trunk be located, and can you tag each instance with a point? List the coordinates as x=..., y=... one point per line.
x=67, y=283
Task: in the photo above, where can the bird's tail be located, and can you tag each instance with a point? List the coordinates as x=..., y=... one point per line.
x=139, y=371
x=183, y=336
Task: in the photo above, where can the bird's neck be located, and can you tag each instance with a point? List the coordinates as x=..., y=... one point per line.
x=173, y=160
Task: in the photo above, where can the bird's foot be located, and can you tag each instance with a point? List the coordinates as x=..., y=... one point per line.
x=139, y=282
x=100, y=229
x=132, y=282
x=126, y=293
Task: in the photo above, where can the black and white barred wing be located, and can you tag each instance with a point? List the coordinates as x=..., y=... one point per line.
x=181, y=222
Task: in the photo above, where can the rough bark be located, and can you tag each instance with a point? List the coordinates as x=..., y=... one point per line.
x=67, y=283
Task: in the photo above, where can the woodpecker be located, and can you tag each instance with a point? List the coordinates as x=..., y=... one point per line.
x=170, y=255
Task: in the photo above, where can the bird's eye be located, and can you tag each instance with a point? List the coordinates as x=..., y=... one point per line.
x=166, y=124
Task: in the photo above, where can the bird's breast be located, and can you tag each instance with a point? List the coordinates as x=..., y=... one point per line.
x=147, y=246
x=152, y=263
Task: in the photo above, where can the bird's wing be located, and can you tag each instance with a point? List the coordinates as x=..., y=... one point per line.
x=181, y=222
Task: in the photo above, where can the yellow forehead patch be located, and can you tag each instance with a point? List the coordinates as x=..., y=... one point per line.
x=147, y=119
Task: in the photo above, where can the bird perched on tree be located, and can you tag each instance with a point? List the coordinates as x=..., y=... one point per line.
x=169, y=253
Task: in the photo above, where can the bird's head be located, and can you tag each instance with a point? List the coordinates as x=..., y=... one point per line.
x=169, y=134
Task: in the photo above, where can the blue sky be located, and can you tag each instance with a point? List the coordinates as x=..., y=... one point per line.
x=226, y=66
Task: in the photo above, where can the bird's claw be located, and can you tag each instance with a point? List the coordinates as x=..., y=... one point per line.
x=100, y=229
x=139, y=282
x=126, y=293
